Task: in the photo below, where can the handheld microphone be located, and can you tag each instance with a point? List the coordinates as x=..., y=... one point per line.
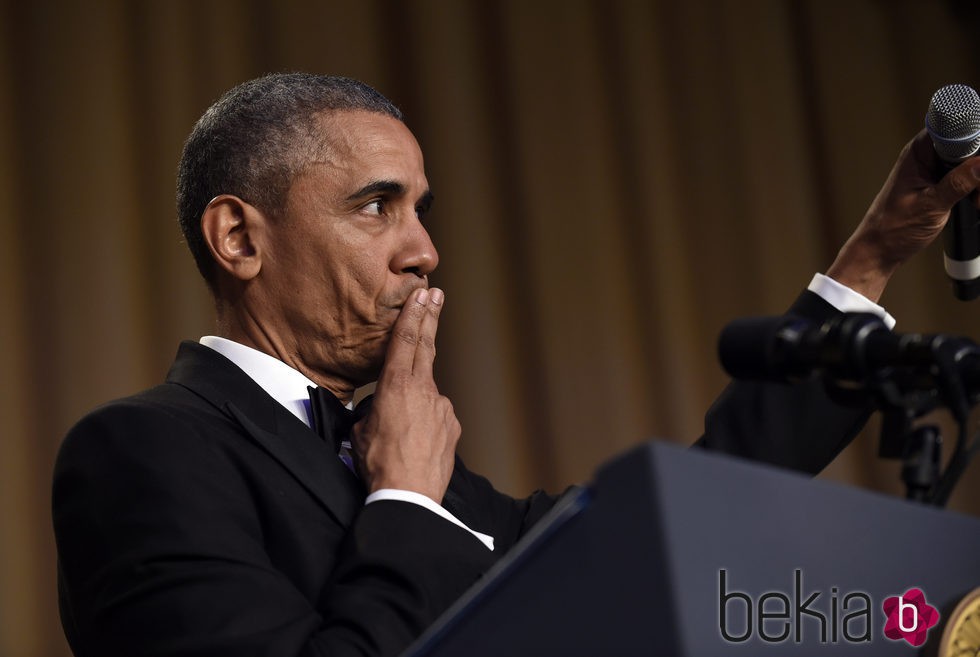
x=953, y=122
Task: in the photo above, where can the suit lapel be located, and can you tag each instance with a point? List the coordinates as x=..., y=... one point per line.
x=285, y=438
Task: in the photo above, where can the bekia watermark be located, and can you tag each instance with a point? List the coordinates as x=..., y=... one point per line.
x=834, y=616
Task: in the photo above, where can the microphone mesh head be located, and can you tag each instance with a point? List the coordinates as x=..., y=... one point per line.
x=953, y=122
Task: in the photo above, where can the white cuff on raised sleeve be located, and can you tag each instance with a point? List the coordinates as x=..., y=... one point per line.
x=847, y=300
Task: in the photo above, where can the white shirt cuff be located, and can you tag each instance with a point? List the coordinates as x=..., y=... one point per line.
x=847, y=300
x=428, y=503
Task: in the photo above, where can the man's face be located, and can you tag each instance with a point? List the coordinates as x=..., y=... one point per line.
x=349, y=247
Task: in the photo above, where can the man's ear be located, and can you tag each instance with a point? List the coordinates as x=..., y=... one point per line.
x=233, y=231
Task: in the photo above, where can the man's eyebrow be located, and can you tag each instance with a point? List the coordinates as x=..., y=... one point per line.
x=386, y=187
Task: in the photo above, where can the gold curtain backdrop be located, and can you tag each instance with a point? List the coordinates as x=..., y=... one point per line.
x=616, y=180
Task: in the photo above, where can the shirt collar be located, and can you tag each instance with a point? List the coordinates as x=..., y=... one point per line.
x=284, y=384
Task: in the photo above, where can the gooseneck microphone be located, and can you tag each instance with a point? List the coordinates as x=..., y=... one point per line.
x=953, y=122
x=850, y=347
x=862, y=362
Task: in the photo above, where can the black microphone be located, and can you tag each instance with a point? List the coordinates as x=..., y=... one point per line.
x=860, y=360
x=953, y=122
x=789, y=348
x=850, y=347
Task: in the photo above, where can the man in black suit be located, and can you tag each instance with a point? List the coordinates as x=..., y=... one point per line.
x=205, y=517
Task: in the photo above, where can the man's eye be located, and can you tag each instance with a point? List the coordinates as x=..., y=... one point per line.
x=375, y=207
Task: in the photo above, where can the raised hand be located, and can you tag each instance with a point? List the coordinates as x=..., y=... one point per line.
x=906, y=216
x=408, y=439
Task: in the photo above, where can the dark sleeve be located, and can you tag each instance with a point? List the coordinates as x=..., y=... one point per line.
x=795, y=426
x=401, y=567
x=477, y=504
x=162, y=552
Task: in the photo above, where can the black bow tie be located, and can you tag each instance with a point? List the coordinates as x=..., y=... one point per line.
x=331, y=419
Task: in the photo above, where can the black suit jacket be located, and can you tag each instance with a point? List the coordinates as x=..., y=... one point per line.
x=201, y=518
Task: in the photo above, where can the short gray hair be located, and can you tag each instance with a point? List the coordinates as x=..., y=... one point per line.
x=255, y=140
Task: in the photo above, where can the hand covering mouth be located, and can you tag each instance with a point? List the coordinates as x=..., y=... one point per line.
x=404, y=299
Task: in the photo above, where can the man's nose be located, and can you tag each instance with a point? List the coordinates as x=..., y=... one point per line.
x=417, y=254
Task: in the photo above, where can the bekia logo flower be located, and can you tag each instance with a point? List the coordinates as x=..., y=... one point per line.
x=909, y=617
